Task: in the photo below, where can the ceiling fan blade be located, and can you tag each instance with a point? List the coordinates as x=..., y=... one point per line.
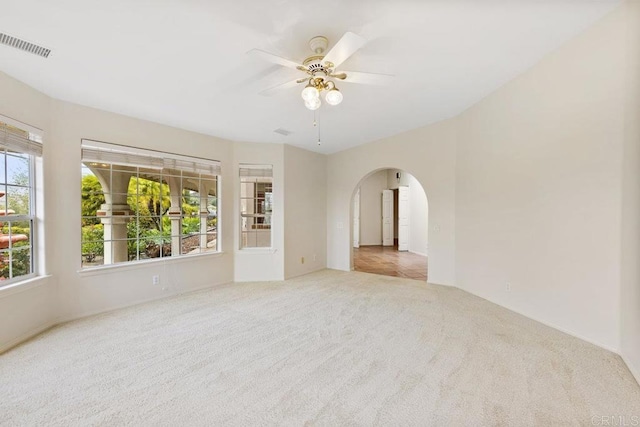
x=346, y=46
x=275, y=89
x=276, y=59
x=364, y=78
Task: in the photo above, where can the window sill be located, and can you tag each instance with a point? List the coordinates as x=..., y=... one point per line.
x=24, y=285
x=253, y=251
x=115, y=268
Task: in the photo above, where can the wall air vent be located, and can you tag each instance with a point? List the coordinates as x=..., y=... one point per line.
x=8, y=40
x=283, y=131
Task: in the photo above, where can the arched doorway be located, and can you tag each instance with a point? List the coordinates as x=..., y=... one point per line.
x=389, y=225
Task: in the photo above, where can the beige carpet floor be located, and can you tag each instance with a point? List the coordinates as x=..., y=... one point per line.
x=330, y=348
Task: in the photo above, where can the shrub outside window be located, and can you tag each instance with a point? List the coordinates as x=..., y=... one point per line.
x=142, y=204
x=18, y=150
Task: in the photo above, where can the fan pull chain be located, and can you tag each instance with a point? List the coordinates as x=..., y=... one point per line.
x=314, y=113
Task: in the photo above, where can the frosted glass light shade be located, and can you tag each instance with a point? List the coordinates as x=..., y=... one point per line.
x=333, y=97
x=313, y=104
x=309, y=93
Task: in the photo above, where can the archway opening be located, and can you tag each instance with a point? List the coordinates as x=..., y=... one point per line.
x=389, y=225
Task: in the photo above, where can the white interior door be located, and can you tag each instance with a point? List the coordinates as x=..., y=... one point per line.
x=403, y=218
x=356, y=219
x=387, y=218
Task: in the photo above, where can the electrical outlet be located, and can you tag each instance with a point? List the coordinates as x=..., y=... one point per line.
x=507, y=287
x=155, y=279
x=302, y=260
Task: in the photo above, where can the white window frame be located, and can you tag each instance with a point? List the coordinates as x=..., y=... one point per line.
x=32, y=147
x=183, y=167
x=255, y=174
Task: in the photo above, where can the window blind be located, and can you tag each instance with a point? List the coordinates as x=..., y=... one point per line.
x=195, y=166
x=256, y=171
x=101, y=152
x=15, y=139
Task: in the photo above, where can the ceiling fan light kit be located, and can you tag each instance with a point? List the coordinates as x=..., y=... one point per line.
x=313, y=104
x=321, y=70
x=310, y=92
x=333, y=97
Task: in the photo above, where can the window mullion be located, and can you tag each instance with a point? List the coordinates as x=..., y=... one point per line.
x=152, y=238
x=18, y=153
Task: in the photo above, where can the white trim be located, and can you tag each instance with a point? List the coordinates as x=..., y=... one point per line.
x=634, y=371
x=24, y=285
x=22, y=125
x=544, y=322
x=139, y=302
x=444, y=284
x=256, y=250
x=27, y=336
x=42, y=328
x=550, y=325
x=37, y=234
x=115, y=268
x=120, y=148
x=418, y=253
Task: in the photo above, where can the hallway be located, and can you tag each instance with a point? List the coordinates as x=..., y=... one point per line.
x=386, y=260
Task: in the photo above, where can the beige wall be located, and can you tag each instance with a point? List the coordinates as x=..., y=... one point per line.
x=306, y=211
x=85, y=292
x=630, y=274
x=27, y=309
x=418, y=218
x=371, y=208
x=429, y=155
x=254, y=264
x=538, y=188
x=526, y=188
x=418, y=210
x=392, y=179
x=536, y=185
x=64, y=292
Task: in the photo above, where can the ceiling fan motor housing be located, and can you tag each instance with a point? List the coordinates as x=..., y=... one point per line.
x=316, y=66
x=320, y=69
x=318, y=44
x=315, y=63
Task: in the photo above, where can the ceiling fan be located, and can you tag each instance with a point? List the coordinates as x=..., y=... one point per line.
x=322, y=70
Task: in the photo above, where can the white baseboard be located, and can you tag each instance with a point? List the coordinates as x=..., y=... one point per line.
x=26, y=336
x=418, y=253
x=35, y=331
x=315, y=269
x=32, y=333
x=634, y=370
x=134, y=303
x=38, y=330
x=444, y=284
x=544, y=322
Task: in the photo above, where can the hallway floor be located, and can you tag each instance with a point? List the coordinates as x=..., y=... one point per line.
x=386, y=260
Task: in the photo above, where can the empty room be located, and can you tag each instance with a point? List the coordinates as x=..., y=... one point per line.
x=356, y=212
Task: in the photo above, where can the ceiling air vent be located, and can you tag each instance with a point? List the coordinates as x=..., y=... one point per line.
x=8, y=40
x=283, y=131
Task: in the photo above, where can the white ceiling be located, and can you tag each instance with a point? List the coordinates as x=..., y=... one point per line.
x=184, y=63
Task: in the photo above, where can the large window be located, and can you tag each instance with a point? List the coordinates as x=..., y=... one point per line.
x=18, y=149
x=141, y=204
x=256, y=205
